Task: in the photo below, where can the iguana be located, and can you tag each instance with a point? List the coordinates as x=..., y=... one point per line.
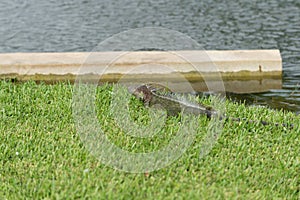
x=149, y=95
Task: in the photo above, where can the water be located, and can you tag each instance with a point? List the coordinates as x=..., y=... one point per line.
x=69, y=25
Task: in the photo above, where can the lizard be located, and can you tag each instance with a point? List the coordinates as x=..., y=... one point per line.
x=148, y=94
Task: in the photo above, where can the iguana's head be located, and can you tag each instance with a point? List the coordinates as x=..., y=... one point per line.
x=143, y=93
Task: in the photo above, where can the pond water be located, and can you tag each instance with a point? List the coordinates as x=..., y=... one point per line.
x=79, y=25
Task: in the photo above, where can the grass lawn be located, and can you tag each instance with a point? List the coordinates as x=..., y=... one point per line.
x=43, y=157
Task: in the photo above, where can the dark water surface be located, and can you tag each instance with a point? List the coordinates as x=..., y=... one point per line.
x=79, y=25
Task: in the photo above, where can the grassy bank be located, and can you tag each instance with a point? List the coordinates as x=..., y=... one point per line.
x=42, y=156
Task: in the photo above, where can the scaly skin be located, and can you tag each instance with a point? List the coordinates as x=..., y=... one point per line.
x=173, y=106
x=147, y=93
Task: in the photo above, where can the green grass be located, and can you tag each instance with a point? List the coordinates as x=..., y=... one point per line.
x=42, y=156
